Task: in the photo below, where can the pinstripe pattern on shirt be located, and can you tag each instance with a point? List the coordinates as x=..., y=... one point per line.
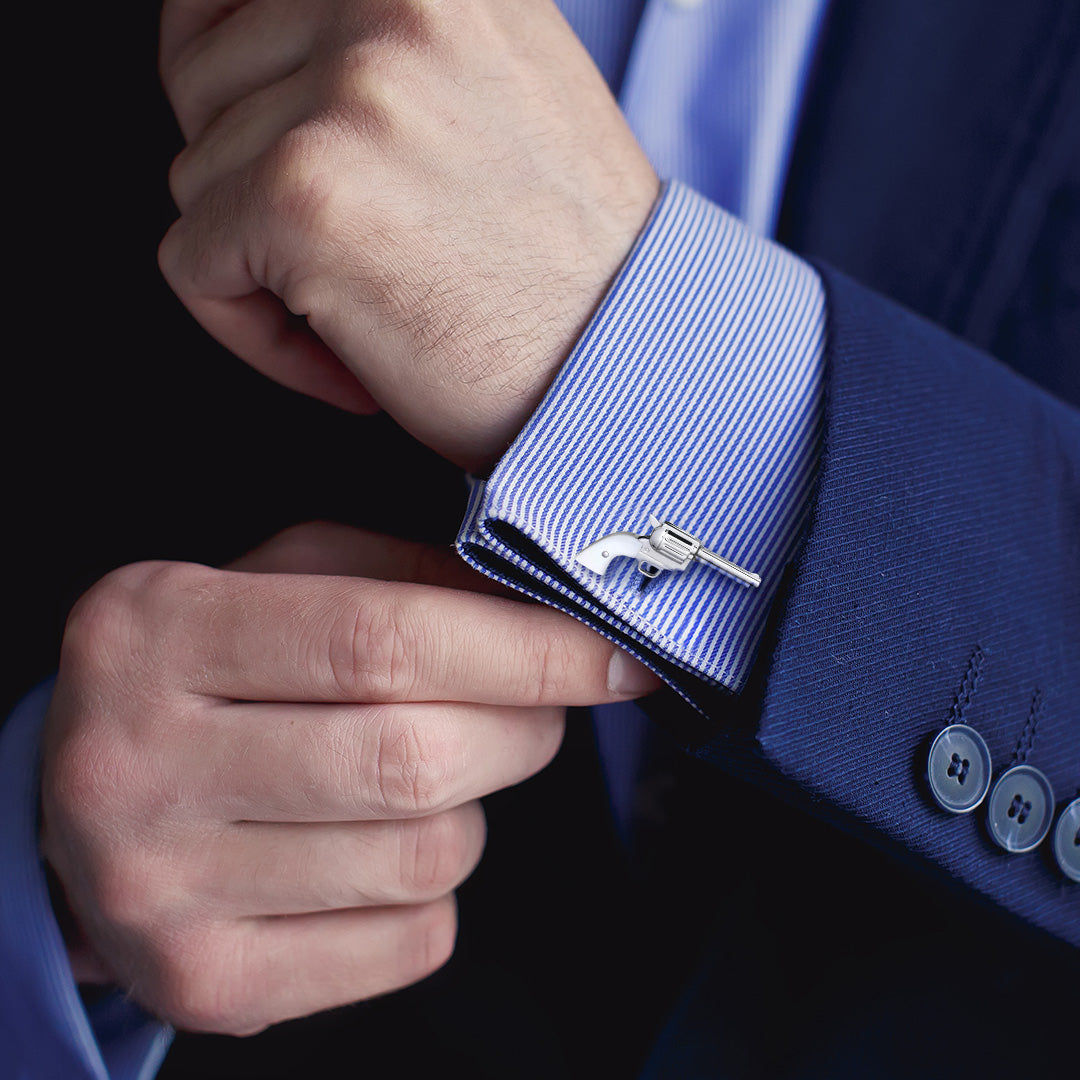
x=695, y=394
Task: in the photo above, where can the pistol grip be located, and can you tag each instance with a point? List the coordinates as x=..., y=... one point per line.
x=598, y=555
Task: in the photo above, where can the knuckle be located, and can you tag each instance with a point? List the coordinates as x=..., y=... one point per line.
x=431, y=943
x=302, y=185
x=129, y=616
x=161, y=584
x=181, y=180
x=414, y=769
x=436, y=855
x=190, y=251
x=369, y=655
x=358, y=85
x=170, y=254
x=189, y=91
x=383, y=47
x=200, y=986
x=297, y=178
x=170, y=70
x=86, y=785
x=103, y=619
x=126, y=894
x=143, y=584
x=117, y=660
x=551, y=660
x=174, y=65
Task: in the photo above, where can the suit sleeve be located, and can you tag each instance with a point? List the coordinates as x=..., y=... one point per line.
x=931, y=574
x=939, y=581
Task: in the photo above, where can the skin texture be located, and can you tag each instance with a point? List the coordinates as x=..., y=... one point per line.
x=260, y=785
x=441, y=191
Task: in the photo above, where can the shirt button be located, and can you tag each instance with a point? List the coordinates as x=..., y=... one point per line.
x=1067, y=841
x=1021, y=808
x=958, y=769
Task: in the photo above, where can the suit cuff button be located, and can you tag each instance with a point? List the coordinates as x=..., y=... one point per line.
x=958, y=769
x=1020, y=809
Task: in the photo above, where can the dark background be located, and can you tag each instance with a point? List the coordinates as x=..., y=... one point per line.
x=130, y=433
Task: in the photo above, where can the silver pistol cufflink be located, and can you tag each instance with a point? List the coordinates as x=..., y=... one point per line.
x=667, y=547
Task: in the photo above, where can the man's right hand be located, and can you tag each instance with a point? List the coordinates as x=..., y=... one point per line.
x=443, y=191
x=260, y=788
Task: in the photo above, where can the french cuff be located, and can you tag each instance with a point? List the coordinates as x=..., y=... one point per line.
x=695, y=394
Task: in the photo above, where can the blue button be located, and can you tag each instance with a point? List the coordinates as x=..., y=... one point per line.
x=958, y=769
x=1021, y=808
x=1067, y=841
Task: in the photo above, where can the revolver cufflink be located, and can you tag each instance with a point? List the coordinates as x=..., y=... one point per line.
x=666, y=547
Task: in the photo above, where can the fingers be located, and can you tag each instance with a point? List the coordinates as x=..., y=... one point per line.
x=256, y=326
x=312, y=962
x=198, y=819
x=236, y=76
x=239, y=978
x=183, y=20
x=215, y=54
x=301, y=638
x=327, y=547
x=360, y=763
x=277, y=637
x=216, y=261
x=285, y=869
x=237, y=137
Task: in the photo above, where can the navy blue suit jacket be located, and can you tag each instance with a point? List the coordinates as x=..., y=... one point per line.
x=941, y=167
x=938, y=166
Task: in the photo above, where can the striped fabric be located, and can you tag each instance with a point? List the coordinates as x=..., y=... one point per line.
x=712, y=90
x=695, y=394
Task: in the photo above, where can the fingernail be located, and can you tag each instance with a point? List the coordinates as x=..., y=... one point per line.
x=626, y=676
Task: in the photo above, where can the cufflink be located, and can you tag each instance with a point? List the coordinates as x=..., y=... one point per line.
x=666, y=547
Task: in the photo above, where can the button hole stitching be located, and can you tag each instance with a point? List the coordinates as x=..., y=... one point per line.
x=968, y=684
x=1026, y=741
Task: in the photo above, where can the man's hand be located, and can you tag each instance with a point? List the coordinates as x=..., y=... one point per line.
x=260, y=788
x=445, y=190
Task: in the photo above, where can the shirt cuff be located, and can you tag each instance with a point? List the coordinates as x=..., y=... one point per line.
x=49, y=1031
x=695, y=394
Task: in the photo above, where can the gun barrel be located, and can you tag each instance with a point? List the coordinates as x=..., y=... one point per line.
x=728, y=567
